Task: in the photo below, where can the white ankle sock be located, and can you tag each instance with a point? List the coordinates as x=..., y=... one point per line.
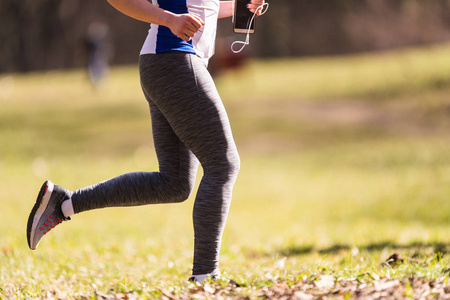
x=67, y=208
x=201, y=277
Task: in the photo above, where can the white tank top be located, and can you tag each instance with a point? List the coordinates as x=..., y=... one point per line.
x=160, y=39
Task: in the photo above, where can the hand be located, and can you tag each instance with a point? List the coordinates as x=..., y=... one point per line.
x=185, y=25
x=253, y=6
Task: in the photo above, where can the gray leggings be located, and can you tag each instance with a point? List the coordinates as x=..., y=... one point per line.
x=189, y=124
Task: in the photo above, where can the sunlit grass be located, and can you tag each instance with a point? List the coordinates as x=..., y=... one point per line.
x=378, y=75
x=315, y=195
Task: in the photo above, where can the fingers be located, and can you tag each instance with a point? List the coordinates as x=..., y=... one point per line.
x=256, y=2
x=188, y=26
x=254, y=5
x=198, y=20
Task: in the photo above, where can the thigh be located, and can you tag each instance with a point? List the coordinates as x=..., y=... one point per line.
x=184, y=92
x=174, y=158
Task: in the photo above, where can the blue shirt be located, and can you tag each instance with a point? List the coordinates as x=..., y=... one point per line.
x=160, y=39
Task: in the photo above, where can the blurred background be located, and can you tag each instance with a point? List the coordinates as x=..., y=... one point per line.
x=340, y=110
x=326, y=87
x=55, y=34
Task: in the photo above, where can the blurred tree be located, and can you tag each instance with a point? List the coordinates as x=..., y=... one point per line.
x=49, y=34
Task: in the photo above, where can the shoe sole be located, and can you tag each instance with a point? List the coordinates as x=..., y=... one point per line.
x=42, y=201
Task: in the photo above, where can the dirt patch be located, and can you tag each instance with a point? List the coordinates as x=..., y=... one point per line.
x=367, y=115
x=292, y=125
x=397, y=117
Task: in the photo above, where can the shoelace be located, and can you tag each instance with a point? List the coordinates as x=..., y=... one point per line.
x=51, y=222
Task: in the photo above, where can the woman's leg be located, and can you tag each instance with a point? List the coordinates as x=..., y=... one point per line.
x=173, y=183
x=188, y=117
x=180, y=85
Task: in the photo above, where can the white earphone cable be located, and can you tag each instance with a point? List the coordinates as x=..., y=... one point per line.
x=263, y=9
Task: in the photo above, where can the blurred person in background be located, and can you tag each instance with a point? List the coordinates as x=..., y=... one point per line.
x=189, y=124
x=98, y=50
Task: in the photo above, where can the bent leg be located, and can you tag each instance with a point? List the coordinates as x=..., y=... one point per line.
x=188, y=117
x=173, y=183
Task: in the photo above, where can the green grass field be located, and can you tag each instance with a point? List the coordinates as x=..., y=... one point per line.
x=345, y=161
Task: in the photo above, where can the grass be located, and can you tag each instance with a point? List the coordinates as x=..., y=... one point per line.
x=344, y=162
x=380, y=75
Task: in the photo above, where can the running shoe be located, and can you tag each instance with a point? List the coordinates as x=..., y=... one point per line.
x=46, y=213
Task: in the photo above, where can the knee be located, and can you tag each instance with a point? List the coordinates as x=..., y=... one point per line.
x=181, y=191
x=225, y=169
x=234, y=164
x=183, y=195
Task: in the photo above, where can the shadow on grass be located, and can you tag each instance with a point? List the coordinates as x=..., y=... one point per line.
x=417, y=246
